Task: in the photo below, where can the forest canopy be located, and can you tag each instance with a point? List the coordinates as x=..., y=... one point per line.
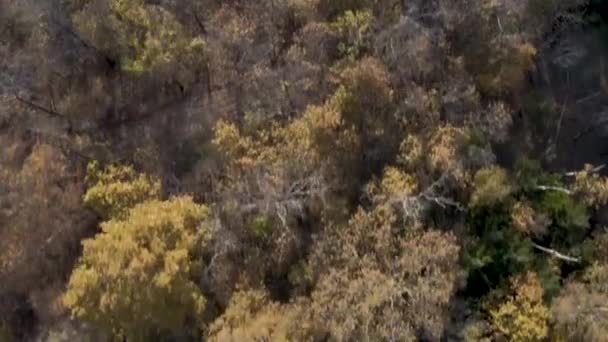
x=303, y=170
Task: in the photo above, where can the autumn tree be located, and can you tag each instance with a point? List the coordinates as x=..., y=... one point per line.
x=137, y=278
x=41, y=223
x=359, y=162
x=523, y=317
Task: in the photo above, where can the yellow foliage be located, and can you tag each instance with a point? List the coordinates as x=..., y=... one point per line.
x=395, y=182
x=367, y=91
x=356, y=306
x=523, y=317
x=527, y=221
x=593, y=187
x=39, y=216
x=252, y=316
x=116, y=189
x=491, y=185
x=411, y=152
x=385, y=286
x=353, y=28
x=507, y=69
x=446, y=144
x=230, y=141
x=580, y=314
x=136, y=277
x=147, y=36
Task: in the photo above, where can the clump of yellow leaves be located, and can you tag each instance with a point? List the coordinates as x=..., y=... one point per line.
x=252, y=316
x=146, y=36
x=526, y=220
x=491, y=185
x=116, y=189
x=523, y=316
x=136, y=277
x=592, y=186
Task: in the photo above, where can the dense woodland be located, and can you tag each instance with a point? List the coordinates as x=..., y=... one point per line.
x=303, y=170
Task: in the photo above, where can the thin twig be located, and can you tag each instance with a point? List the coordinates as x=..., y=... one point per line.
x=200, y=24
x=589, y=97
x=559, y=124
x=38, y=107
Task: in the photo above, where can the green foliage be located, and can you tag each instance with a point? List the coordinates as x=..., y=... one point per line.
x=332, y=8
x=495, y=251
x=137, y=278
x=529, y=173
x=501, y=233
x=477, y=138
x=540, y=109
x=569, y=216
x=566, y=211
x=116, y=189
x=261, y=226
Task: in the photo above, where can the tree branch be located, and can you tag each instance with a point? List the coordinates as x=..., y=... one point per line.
x=553, y=188
x=39, y=108
x=429, y=195
x=200, y=24
x=556, y=254
x=594, y=170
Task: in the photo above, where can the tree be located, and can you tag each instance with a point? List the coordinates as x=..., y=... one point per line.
x=579, y=313
x=376, y=279
x=42, y=221
x=137, y=279
x=523, y=316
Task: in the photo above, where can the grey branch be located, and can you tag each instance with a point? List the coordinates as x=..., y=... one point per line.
x=557, y=254
x=430, y=194
x=594, y=170
x=553, y=188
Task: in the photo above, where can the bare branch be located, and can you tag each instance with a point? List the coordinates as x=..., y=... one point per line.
x=35, y=106
x=200, y=24
x=412, y=205
x=444, y=201
x=553, y=188
x=559, y=124
x=594, y=170
x=589, y=97
x=556, y=254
